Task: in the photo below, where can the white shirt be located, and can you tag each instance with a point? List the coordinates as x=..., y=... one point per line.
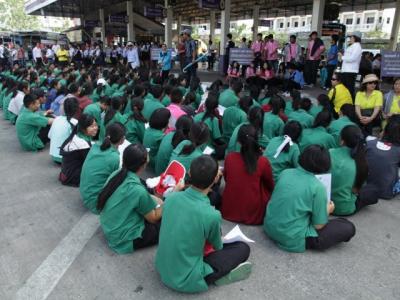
x=351, y=59
x=59, y=132
x=49, y=53
x=133, y=57
x=1, y=51
x=16, y=103
x=55, y=48
x=36, y=53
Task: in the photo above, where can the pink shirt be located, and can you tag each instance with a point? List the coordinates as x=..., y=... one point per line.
x=176, y=112
x=271, y=48
x=257, y=46
x=317, y=54
x=250, y=72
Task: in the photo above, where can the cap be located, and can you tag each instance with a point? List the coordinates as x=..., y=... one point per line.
x=186, y=31
x=357, y=34
x=129, y=44
x=101, y=81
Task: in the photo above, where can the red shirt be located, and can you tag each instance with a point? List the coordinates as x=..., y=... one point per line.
x=83, y=102
x=246, y=195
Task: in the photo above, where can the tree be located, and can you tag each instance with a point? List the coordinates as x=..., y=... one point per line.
x=13, y=17
x=238, y=32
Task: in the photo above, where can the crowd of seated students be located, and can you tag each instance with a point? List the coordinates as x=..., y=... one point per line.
x=251, y=156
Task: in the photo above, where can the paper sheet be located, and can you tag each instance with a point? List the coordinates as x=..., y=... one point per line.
x=326, y=180
x=146, y=125
x=236, y=235
x=208, y=150
x=221, y=110
x=121, y=149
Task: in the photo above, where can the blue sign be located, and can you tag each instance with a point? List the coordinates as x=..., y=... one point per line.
x=390, y=65
x=210, y=4
x=118, y=19
x=153, y=12
x=242, y=56
x=92, y=23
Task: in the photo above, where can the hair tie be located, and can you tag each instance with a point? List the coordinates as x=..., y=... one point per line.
x=287, y=140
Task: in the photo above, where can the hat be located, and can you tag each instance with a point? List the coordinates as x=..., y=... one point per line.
x=101, y=81
x=186, y=31
x=129, y=44
x=357, y=34
x=370, y=78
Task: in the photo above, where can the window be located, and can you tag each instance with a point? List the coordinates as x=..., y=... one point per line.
x=370, y=20
x=280, y=25
x=349, y=21
x=296, y=24
x=304, y=23
x=380, y=20
x=358, y=21
x=388, y=21
x=288, y=24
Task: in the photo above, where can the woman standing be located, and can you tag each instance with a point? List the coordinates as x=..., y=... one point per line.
x=165, y=62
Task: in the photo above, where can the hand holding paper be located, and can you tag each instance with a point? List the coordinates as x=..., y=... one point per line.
x=236, y=235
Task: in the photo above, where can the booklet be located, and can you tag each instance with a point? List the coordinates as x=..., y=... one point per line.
x=326, y=180
x=236, y=235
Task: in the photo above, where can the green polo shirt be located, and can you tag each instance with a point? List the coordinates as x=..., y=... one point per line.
x=301, y=116
x=285, y=160
x=28, y=126
x=317, y=136
x=228, y=98
x=188, y=222
x=122, y=218
x=118, y=117
x=315, y=110
x=94, y=110
x=233, y=116
x=164, y=153
x=213, y=126
x=298, y=202
x=335, y=128
x=185, y=159
x=273, y=125
x=96, y=169
x=152, y=140
x=150, y=105
x=134, y=131
x=234, y=146
x=343, y=169
x=6, y=102
x=166, y=100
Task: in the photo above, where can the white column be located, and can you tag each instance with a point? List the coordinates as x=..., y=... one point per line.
x=225, y=25
x=168, y=25
x=103, y=25
x=256, y=21
x=178, y=25
x=212, y=25
x=395, y=28
x=131, y=25
x=317, y=16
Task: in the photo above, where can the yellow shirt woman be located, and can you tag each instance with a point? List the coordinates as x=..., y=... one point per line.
x=369, y=102
x=340, y=96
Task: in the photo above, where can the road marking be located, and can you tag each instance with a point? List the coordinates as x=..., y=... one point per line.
x=48, y=274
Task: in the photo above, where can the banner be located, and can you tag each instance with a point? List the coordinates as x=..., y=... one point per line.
x=210, y=4
x=153, y=12
x=242, y=56
x=117, y=19
x=390, y=65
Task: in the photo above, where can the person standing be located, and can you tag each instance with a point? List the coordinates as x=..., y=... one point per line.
x=271, y=49
x=351, y=62
x=49, y=55
x=190, y=55
x=212, y=50
x=132, y=56
x=243, y=44
x=37, y=55
x=332, y=60
x=292, y=51
x=181, y=51
x=164, y=61
x=229, y=44
x=62, y=56
x=257, y=47
x=313, y=56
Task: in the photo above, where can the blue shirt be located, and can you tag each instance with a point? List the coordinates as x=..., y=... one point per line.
x=298, y=77
x=333, y=55
x=165, y=59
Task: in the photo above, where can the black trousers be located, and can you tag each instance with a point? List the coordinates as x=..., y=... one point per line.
x=164, y=75
x=290, y=85
x=330, y=69
x=310, y=71
x=225, y=260
x=43, y=134
x=349, y=81
x=334, y=232
x=149, y=235
x=211, y=60
x=368, y=195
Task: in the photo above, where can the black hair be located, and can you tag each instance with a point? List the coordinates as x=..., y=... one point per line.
x=352, y=137
x=86, y=89
x=335, y=38
x=189, y=98
x=349, y=111
x=53, y=83
x=245, y=103
x=137, y=105
x=84, y=122
x=293, y=129
x=250, y=149
x=116, y=104
x=199, y=134
x=391, y=134
x=254, y=91
x=29, y=99
x=216, y=86
x=275, y=103
x=237, y=86
x=315, y=159
x=139, y=90
x=159, y=118
x=306, y=104
x=73, y=88
x=211, y=106
x=229, y=35
x=323, y=119
x=134, y=157
x=296, y=100
x=324, y=101
x=71, y=107
x=182, y=130
x=176, y=96
x=357, y=39
x=156, y=90
x=203, y=171
x=114, y=134
x=256, y=118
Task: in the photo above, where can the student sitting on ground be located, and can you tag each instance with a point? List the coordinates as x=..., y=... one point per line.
x=383, y=158
x=300, y=112
x=318, y=135
x=175, y=108
x=347, y=116
x=283, y=151
x=230, y=96
x=75, y=149
x=234, y=116
x=152, y=101
x=297, y=213
x=17, y=102
x=96, y=109
x=32, y=127
x=113, y=115
x=62, y=127
x=170, y=141
x=101, y=161
x=129, y=215
x=349, y=173
x=248, y=181
x=322, y=104
x=273, y=124
x=135, y=125
x=189, y=223
x=155, y=133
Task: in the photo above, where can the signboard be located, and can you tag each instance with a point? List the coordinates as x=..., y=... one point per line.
x=329, y=29
x=265, y=23
x=242, y=56
x=153, y=12
x=390, y=65
x=210, y=4
x=92, y=23
x=117, y=19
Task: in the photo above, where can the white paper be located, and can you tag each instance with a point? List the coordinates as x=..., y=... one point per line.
x=121, y=149
x=208, y=151
x=146, y=125
x=236, y=235
x=326, y=180
x=221, y=110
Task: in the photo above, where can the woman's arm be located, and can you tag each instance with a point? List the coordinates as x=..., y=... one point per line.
x=155, y=215
x=358, y=112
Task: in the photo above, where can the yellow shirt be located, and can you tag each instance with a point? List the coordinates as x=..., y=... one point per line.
x=395, y=108
x=62, y=55
x=342, y=96
x=374, y=100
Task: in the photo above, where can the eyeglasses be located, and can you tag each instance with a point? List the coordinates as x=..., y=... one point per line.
x=373, y=82
x=334, y=79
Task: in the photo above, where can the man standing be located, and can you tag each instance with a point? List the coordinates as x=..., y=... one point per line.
x=50, y=55
x=271, y=49
x=292, y=51
x=313, y=56
x=257, y=48
x=132, y=56
x=229, y=44
x=243, y=44
x=212, y=50
x=190, y=55
x=37, y=55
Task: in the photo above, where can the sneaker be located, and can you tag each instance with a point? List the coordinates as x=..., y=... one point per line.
x=241, y=272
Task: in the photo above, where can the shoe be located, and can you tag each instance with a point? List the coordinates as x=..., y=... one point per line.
x=241, y=272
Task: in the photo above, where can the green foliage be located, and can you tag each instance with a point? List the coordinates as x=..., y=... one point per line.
x=13, y=17
x=376, y=34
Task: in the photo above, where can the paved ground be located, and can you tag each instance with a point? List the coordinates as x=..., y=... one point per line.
x=50, y=247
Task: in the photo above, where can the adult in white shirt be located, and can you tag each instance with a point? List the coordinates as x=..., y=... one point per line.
x=55, y=49
x=351, y=62
x=132, y=56
x=50, y=55
x=37, y=55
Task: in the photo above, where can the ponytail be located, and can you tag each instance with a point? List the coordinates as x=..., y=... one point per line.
x=211, y=105
x=250, y=149
x=137, y=105
x=199, y=134
x=182, y=131
x=112, y=110
x=115, y=133
x=110, y=188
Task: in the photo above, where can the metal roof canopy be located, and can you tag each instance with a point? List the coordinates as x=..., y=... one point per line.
x=190, y=11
